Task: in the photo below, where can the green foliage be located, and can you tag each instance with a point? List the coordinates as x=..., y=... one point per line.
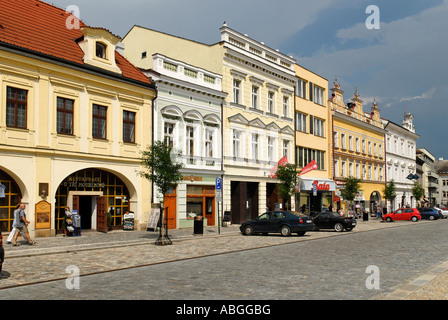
x=287, y=175
x=351, y=188
x=160, y=167
x=389, y=191
x=418, y=191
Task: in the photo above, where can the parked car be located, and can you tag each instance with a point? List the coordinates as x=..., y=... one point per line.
x=403, y=214
x=283, y=222
x=430, y=213
x=444, y=212
x=333, y=220
x=2, y=251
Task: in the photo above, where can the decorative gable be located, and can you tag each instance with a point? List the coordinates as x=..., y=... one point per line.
x=257, y=123
x=99, y=45
x=238, y=118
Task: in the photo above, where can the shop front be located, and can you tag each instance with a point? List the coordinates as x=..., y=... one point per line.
x=98, y=196
x=316, y=194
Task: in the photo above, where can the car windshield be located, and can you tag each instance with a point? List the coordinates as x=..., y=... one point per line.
x=327, y=214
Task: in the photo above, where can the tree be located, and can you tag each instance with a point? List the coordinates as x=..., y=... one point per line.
x=351, y=188
x=163, y=170
x=418, y=191
x=287, y=175
x=390, y=192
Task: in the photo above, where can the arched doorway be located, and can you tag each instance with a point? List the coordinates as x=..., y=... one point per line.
x=10, y=196
x=375, y=201
x=90, y=191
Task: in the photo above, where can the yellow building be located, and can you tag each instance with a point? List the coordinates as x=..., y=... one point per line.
x=358, y=151
x=257, y=115
x=313, y=140
x=74, y=115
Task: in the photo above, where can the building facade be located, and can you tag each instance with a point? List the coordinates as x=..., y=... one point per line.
x=358, y=151
x=441, y=167
x=313, y=141
x=401, y=148
x=73, y=119
x=188, y=117
x=429, y=179
x=257, y=114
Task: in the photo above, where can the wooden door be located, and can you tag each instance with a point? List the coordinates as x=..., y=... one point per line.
x=101, y=214
x=75, y=205
x=170, y=211
x=209, y=209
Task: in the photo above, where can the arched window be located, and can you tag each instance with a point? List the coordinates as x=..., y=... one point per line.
x=101, y=50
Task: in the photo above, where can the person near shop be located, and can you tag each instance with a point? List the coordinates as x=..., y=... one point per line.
x=21, y=224
x=12, y=233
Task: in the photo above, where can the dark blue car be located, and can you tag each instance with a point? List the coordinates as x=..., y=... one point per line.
x=430, y=213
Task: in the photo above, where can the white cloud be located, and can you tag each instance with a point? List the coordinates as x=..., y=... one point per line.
x=427, y=95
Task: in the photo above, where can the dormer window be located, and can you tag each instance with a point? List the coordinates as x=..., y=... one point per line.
x=101, y=50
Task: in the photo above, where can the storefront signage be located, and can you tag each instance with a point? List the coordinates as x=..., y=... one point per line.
x=321, y=185
x=43, y=215
x=83, y=182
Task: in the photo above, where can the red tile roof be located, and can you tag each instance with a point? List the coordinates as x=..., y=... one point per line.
x=40, y=27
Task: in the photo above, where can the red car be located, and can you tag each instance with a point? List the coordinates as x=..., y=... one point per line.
x=403, y=214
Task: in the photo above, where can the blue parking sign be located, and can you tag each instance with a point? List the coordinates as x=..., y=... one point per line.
x=218, y=183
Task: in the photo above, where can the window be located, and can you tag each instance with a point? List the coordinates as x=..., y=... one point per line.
x=64, y=116
x=357, y=144
x=363, y=146
x=343, y=168
x=209, y=143
x=100, y=50
x=316, y=94
x=99, y=122
x=190, y=141
x=271, y=148
x=300, y=122
x=305, y=156
x=350, y=169
x=271, y=96
x=336, y=139
x=343, y=142
x=285, y=148
x=236, y=91
x=285, y=106
x=301, y=88
x=357, y=171
x=169, y=134
x=350, y=142
x=128, y=126
x=16, y=107
x=318, y=127
x=236, y=143
x=255, y=146
x=255, y=97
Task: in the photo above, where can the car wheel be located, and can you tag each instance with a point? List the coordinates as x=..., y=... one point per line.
x=414, y=219
x=301, y=233
x=388, y=219
x=248, y=230
x=285, y=231
x=431, y=217
x=339, y=227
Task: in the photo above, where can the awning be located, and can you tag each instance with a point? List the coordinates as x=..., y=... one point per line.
x=322, y=184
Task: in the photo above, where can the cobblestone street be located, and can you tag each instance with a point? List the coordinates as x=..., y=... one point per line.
x=95, y=253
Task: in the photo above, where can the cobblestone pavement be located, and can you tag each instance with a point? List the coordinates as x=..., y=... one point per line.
x=92, y=253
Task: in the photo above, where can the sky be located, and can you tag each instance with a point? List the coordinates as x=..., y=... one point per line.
x=401, y=63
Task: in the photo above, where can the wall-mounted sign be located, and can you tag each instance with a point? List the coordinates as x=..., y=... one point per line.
x=43, y=215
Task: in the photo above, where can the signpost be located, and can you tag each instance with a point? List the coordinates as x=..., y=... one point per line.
x=218, y=195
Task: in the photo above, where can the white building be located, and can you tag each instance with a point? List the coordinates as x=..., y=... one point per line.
x=187, y=115
x=400, y=159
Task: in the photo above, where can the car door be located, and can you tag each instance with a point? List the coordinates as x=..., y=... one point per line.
x=261, y=224
x=399, y=215
x=409, y=213
x=323, y=221
x=277, y=219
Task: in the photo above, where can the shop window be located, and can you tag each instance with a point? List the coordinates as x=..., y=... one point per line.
x=10, y=196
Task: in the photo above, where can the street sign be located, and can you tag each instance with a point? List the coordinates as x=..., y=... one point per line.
x=218, y=184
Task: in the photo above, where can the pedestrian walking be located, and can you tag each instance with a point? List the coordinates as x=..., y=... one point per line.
x=21, y=224
x=12, y=233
